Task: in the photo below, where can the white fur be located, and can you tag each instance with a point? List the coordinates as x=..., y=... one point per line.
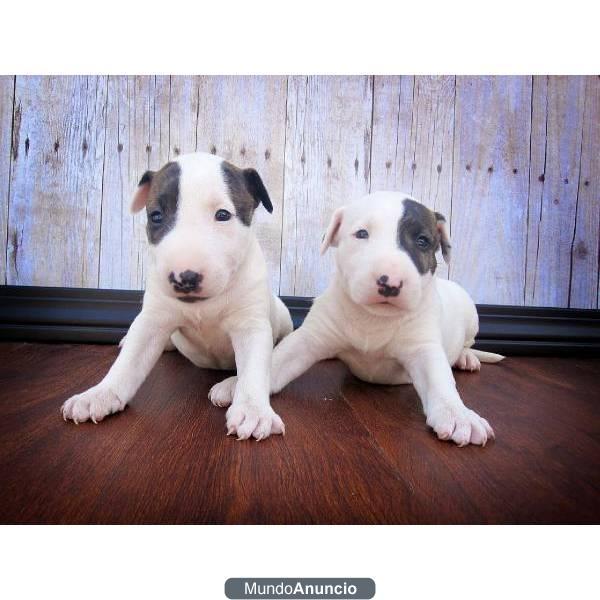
x=235, y=325
x=414, y=337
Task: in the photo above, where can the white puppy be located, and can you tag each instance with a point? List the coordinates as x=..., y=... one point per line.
x=207, y=292
x=387, y=316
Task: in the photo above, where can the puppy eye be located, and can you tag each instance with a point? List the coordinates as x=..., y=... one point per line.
x=156, y=217
x=423, y=242
x=362, y=234
x=222, y=215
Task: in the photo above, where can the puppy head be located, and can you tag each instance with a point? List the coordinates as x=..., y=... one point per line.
x=386, y=250
x=199, y=210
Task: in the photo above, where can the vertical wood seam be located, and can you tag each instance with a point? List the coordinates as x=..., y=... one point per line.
x=435, y=122
x=398, y=129
x=82, y=273
x=306, y=80
x=169, y=116
x=10, y=162
x=541, y=213
x=414, y=128
x=102, y=180
x=528, y=195
x=130, y=126
x=452, y=187
x=577, y=194
x=371, y=131
x=285, y=142
x=452, y=168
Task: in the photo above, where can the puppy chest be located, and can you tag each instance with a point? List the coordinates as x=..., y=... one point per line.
x=375, y=367
x=210, y=340
x=366, y=339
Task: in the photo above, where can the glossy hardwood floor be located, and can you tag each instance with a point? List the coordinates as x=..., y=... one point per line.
x=353, y=453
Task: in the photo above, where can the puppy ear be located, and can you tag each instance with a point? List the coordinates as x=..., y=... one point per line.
x=331, y=235
x=444, y=237
x=140, y=198
x=257, y=189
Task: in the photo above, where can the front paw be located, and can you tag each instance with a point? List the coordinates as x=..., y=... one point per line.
x=221, y=394
x=94, y=404
x=460, y=424
x=246, y=420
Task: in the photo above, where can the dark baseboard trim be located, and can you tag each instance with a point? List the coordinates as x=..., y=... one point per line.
x=47, y=314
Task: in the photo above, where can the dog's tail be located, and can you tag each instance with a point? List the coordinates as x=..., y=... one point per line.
x=487, y=357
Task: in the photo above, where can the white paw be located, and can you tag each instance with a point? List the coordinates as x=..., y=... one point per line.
x=248, y=420
x=467, y=361
x=460, y=424
x=94, y=404
x=221, y=394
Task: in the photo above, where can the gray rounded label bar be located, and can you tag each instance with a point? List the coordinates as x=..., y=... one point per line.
x=308, y=588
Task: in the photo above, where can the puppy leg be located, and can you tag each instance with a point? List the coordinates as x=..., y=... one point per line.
x=445, y=411
x=294, y=355
x=281, y=319
x=169, y=346
x=140, y=350
x=250, y=413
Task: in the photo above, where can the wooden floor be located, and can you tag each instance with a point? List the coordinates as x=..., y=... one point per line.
x=353, y=453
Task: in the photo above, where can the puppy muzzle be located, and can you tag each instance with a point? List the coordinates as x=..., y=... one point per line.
x=186, y=283
x=385, y=289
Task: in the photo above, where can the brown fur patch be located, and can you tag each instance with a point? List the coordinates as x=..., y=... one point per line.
x=418, y=221
x=246, y=191
x=164, y=197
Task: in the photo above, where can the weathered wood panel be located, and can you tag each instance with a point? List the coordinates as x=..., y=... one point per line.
x=490, y=187
x=585, y=248
x=137, y=137
x=392, y=155
x=183, y=115
x=327, y=164
x=413, y=134
x=513, y=163
x=7, y=85
x=556, y=141
x=56, y=181
x=242, y=119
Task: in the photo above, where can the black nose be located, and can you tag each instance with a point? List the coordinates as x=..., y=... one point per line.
x=387, y=290
x=189, y=281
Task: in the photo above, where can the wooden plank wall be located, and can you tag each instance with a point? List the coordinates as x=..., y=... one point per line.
x=513, y=163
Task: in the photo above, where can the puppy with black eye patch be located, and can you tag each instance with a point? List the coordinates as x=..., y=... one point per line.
x=207, y=292
x=387, y=316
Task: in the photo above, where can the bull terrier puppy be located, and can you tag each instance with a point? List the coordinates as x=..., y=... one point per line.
x=207, y=292
x=387, y=316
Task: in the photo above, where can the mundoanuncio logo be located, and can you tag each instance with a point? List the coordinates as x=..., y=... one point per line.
x=301, y=588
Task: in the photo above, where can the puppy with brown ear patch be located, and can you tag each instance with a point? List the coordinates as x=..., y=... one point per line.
x=207, y=292
x=387, y=316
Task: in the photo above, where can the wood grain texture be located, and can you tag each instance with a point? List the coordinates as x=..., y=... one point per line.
x=241, y=119
x=7, y=85
x=413, y=140
x=183, y=115
x=137, y=138
x=556, y=144
x=392, y=153
x=490, y=187
x=585, y=247
x=56, y=181
x=512, y=162
x=353, y=452
x=327, y=164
